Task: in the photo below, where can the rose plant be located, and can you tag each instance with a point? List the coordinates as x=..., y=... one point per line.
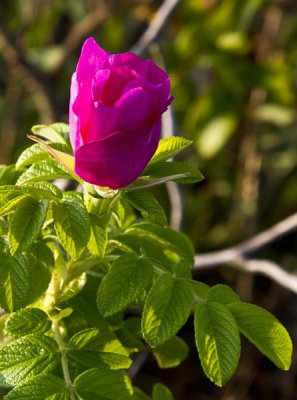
x=90, y=278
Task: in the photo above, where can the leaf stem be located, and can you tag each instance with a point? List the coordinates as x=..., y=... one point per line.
x=64, y=361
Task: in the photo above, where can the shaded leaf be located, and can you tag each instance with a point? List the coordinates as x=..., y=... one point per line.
x=129, y=277
x=171, y=353
x=26, y=224
x=147, y=204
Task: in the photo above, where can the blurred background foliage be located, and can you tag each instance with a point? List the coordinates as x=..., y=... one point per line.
x=233, y=68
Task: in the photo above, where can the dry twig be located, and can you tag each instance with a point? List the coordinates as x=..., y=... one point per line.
x=155, y=26
x=235, y=256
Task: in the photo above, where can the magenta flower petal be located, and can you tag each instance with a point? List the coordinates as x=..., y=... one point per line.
x=119, y=159
x=91, y=60
x=116, y=103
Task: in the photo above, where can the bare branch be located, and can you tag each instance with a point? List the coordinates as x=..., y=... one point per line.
x=80, y=31
x=155, y=26
x=234, y=253
x=269, y=269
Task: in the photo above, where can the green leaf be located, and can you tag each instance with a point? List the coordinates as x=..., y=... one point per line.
x=14, y=281
x=26, y=321
x=41, y=387
x=130, y=334
x=265, y=332
x=171, y=353
x=10, y=202
x=182, y=269
x=72, y=224
x=140, y=395
x=8, y=175
x=200, y=290
x=31, y=155
x=222, y=294
x=50, y=132
x=147, y=204
x=169, y=147
x=184, y=173
x=128, y=278
x=93, y=348
x=98, y=237
x=103, y=384
x=25, y=357
x=62, y=129
x=166, y=309
x=26, y=224
x=146, y=182
x=43, y=190
x=40, y=261
x=161, y=392
x=43, y=170
x=217, y=341
x=167, y=237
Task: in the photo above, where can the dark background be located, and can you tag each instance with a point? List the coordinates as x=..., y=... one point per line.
x=233, y=69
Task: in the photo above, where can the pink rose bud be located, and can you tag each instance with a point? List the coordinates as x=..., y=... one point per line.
x=116, y=104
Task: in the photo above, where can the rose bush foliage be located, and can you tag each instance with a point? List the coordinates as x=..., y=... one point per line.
x=116, y=105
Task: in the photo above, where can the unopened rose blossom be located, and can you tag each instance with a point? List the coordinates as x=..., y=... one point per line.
x=116, y=105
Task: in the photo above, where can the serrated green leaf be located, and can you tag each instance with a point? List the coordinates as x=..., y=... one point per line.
x=169, y=238
x=161, y=392
x=43, y=190
x=41, y=387
x=166, y=309
x=43, y=170
x=72, y=224
x=265, y=332
x=128, y=278
x=182, y=269
x=169, y=147
x=49, y=132
x=103, y=384
x=217, y=341
x=40, y=261
x=25, y=357
x=10, y=202
x=62, y=129
x=59, y=396
x=31, y=155
x=26, y=224
x=188, y=173
x=222, y=294
x=147, y=204
x=171, y=353
x=93, y=348
x=98, y=237
x=14, y=281
x=26, y=321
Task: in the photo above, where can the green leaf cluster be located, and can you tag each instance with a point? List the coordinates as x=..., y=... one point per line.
x=87, y=281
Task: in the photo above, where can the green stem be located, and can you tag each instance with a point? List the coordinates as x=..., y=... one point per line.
x=64, y=361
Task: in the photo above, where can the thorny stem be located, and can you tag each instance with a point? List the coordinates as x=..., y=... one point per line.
x=64, y=361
